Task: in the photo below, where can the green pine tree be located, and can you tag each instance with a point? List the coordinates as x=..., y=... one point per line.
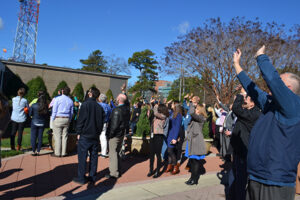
x=109, y=95
x=35, y=85
x=147, y=65
x=61, y=85
x=143, y=126
x=78, y=91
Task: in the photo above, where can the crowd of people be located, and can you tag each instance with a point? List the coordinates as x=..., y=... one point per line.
x=258, y=133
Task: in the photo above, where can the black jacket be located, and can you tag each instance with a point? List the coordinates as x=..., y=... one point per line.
x=246, y=119
x=90, y=120
x=119, y=121
x=136, y=114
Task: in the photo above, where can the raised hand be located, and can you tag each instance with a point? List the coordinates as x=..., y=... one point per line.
x=238, y=87
x=237, y=56
x=123, y=87
x=236, y=61
x=260, y=51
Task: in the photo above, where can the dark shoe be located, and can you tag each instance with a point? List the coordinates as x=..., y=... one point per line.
x=53, y=155
x=90, y=180
x=12, y=147
x=104, y=156
x=150, y=173
x=192, y=182
x=34, y=154
x=79, y=181
x=38, y=154
x=110, y=177
x=189, y=181
x=156, y=175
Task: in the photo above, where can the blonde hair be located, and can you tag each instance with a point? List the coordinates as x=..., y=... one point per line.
x=212, y=110
x=201, y=110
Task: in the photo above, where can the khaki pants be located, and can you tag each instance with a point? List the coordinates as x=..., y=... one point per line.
x=103, y=140
x=60, y=133
x=115, y=145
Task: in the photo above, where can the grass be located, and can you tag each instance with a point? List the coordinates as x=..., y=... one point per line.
x=10, y=153
x=26, y=144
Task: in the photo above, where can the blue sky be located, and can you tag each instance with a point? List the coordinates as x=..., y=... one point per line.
x=69, y=30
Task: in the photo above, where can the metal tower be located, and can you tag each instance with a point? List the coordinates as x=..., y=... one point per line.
x=25, y=40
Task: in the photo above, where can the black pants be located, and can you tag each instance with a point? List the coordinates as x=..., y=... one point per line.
x=217, y=138
x=260, y=191
x=16, y=126
x=83, y=147
x=197, y=169
x=179, y=150
x=239, y=169
x=172, y=156
x=155, y=149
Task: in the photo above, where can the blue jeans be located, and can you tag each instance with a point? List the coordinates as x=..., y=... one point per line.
x=164, y=152
x=83, y=147
x=133, y=127
x=36, y=132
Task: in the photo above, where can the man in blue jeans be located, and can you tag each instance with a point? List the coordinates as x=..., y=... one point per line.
x=88, y=130
x=274, y=151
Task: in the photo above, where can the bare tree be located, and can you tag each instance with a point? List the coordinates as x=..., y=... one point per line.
x=207, y=51
x=116, y=65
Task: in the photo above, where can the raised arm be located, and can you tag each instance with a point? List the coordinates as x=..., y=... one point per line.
x=287, y=101
x=157, y=114
x=195, y=117
x=257, y=95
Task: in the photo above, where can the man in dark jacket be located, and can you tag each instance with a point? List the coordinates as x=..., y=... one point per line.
x=118, y=125
x=89, y=126
x=274, y=152
x=247, y=114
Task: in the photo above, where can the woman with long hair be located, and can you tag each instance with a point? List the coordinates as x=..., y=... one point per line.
x=156, y=141
x=174, y=129
x=196, y=148
x=39, y=113
x=18, y=118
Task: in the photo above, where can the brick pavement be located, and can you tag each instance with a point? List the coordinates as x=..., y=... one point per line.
x=28, y=177
x=46, y=177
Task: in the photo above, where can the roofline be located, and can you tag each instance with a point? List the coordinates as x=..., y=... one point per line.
x=64, y=69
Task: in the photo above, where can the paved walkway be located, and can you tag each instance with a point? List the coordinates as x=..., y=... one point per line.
x=46, y=177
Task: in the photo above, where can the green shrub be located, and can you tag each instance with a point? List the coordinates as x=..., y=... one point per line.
x=135, y=97
x=78, y=92
x=93, y=86
x=205, y=131
x=35, y=85
x=61, y=85
x=143, y=126
x=109, y=95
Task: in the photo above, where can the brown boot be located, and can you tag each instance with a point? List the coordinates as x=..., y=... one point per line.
x=176, y=169
x=18, y=148
x=169, y=168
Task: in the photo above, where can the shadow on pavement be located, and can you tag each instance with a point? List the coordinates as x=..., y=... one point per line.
x=9, y=172
x=226, y=177
x=40, y=184
x=95, y=191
